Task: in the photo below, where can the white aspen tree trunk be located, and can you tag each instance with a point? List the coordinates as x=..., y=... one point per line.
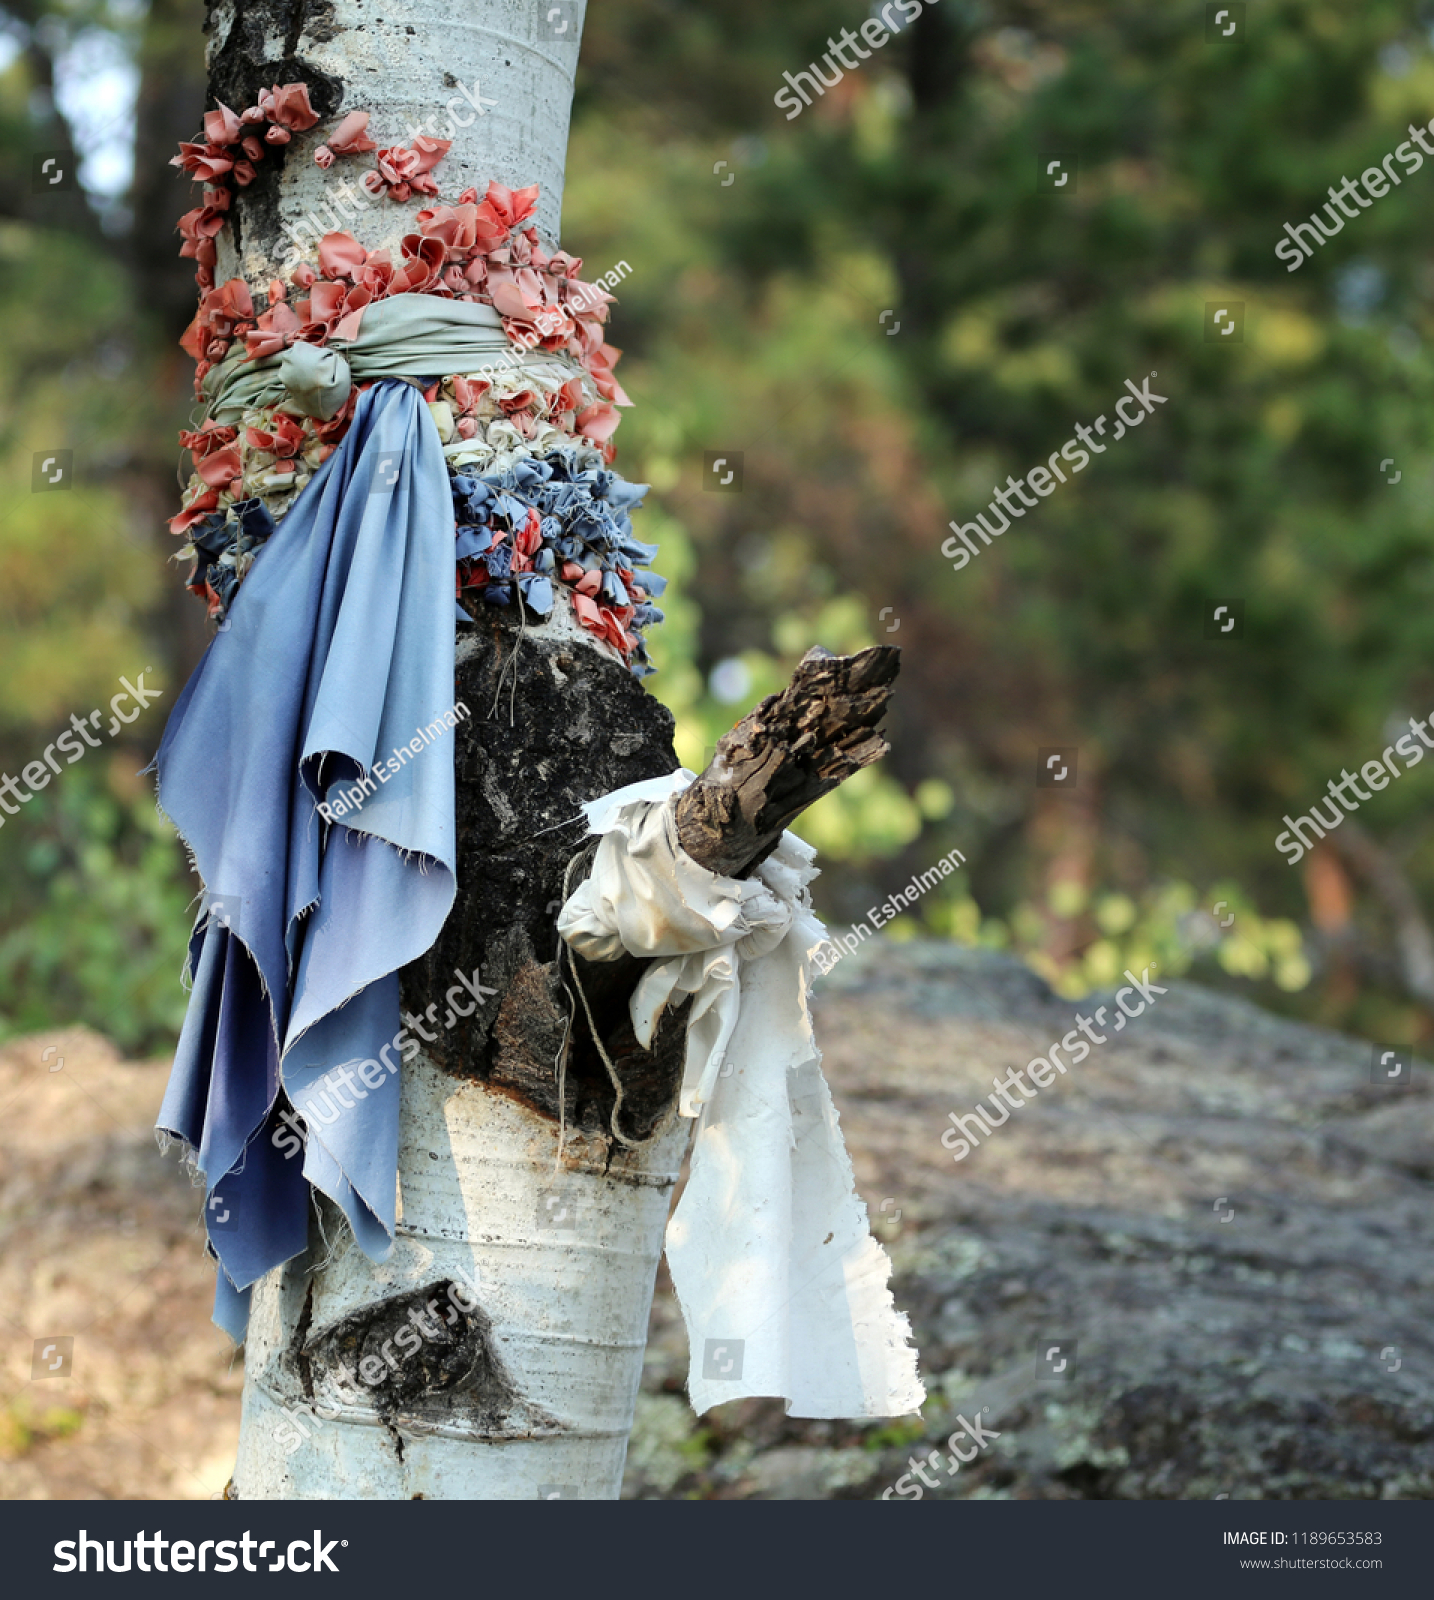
x=524, y=1378
x=405, y=67
x=535, y=1396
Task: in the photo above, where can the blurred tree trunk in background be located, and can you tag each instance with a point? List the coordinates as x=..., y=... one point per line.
x=170, y=108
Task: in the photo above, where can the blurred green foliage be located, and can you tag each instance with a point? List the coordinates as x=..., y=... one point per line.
x=885, y=317
x=26, y=1423
x=107, y=914
x=760, y=316
x=77, y=570
x=94, y=916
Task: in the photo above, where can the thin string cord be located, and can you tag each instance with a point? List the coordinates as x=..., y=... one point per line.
x=567, y=822
x=512, y=661
x=497, y=693
x=522, y=634
x=619, y=1094
x=560, y=1061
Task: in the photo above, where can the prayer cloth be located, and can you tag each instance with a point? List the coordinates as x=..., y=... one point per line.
x=783, y=1289
x=338, y=650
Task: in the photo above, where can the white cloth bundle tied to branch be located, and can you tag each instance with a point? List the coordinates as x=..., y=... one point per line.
x=782, y=1286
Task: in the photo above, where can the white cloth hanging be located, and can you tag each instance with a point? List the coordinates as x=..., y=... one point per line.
x=783, y=1289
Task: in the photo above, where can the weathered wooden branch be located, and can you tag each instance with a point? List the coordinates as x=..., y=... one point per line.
x=785, y=754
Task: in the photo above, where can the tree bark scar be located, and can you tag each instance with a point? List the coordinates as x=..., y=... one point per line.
x=242, y=65
x=417, y=1353
x=296, y=28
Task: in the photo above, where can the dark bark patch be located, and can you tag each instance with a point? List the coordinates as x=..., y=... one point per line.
x=552, y=725
x=241, y=67
x=301, y=1334
x=425, y=1356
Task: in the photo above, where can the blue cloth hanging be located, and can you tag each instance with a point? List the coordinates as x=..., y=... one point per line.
x=338, y=650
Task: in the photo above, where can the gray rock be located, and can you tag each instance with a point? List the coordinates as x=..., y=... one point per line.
x=1217, y=1207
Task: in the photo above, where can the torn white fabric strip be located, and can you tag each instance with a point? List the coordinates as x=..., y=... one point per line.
x=782, y=1286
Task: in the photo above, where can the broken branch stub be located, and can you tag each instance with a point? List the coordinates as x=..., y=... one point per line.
x=785, y=754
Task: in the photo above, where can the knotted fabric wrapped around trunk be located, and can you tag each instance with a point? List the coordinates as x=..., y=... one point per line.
x=338, y=650
x=411, y=333
x=783, y=1288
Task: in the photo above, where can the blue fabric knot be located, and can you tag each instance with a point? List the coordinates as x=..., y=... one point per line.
x=473, y=542
x=537, y=593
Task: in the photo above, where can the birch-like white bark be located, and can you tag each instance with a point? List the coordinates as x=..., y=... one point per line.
x=543, y=1391
x=409, y=69
x=523, y=1381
